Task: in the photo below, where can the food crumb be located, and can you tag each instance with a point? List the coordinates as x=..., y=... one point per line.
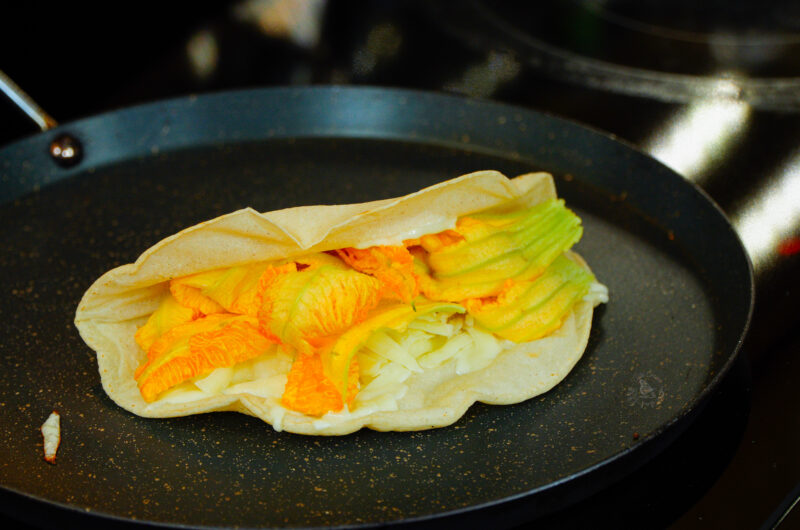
x=51, y=433
x=636, y=436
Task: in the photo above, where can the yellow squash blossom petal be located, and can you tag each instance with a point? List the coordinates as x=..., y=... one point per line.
x=168, y=315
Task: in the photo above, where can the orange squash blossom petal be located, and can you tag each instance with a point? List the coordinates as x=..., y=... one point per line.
x=197, y=348
x=308, y=390
x=193, y=298
x=392, y=265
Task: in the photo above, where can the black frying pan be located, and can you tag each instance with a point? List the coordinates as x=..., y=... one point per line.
x=680, y=283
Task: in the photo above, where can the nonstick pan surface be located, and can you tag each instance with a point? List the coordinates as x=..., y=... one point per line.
x=679, y=280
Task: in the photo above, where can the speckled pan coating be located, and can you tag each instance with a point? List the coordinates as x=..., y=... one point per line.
x=680, y=284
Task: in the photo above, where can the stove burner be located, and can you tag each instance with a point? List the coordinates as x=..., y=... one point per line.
x=677, y=51
x=678, y=37
x=742, y=20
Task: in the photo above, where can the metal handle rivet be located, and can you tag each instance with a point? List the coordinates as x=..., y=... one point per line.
x=66, y=150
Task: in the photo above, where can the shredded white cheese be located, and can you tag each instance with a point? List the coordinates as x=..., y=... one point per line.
x=386, y=361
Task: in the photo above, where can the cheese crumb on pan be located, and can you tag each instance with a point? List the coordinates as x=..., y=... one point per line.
x=51, y=432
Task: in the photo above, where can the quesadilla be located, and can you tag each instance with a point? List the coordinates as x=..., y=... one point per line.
x=395, y=314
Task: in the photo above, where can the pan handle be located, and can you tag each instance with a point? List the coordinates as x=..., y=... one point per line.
x=65, y=149
x=25, y=103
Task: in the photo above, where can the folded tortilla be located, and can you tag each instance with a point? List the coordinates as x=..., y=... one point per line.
x=120, y=301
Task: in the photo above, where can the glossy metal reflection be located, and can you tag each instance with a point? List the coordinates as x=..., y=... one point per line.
x=703, y=132
x=772, y=215
x=26, y=103
x=699, y=135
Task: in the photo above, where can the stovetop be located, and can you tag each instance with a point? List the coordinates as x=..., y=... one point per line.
x=711, y=91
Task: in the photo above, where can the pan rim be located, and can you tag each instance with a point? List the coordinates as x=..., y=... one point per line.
x=398, y=94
